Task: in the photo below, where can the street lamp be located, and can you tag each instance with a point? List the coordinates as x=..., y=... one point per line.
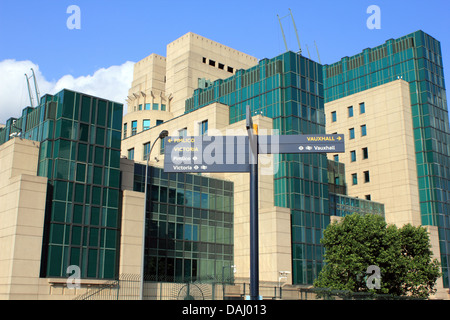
x=161, y=136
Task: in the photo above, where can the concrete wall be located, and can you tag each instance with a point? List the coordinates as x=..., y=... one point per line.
x=391, y=155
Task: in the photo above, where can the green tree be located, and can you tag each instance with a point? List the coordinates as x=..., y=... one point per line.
x=402, y=255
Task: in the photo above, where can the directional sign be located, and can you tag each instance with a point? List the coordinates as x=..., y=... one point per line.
x=206, y=154
x=304, y=143
x=232, y=153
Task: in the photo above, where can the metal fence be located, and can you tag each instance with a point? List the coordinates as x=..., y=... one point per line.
x=128, y=287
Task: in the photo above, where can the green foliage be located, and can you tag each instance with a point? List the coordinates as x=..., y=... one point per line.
x=403, y=256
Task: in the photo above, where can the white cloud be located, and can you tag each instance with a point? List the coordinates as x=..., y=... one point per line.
x=110, y=83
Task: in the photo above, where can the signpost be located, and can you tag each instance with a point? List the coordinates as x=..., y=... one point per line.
x=240, y=154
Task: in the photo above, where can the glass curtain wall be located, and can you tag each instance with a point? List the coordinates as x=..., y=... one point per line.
x=417, y=59
x=288, y=89
x=189, y=225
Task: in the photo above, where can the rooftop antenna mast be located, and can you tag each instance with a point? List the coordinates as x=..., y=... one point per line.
x=295, y=28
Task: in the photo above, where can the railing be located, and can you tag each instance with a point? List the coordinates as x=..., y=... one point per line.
x=128, y=287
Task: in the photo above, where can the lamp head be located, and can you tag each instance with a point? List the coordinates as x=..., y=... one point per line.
x=163, y=134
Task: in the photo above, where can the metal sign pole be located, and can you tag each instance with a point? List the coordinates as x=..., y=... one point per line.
x=254, y=235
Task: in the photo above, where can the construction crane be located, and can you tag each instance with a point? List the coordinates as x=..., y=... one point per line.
x=36, y=89
x=295, y=28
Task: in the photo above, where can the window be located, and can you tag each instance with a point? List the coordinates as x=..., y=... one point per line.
x=124, y=130
x=366, y=176
x=146, y=150
x=351, y=132
x=336, y=157
x=203, y=128
x=155, y=106
x=368, y=197
x=212, y=63
x=131, y=154
x=350, y=111
x=230, y=69
x=204, y=60
x=354, y=178
x=147, y=106
x=162, y=146
x=353, y=156
x=163, y=107
x=362, y=108
x=221, y=66
x=182, y=132
x=363, y=130
x=140, y=107
x=133, y=128
x=333, y=116
x=158, y=122
x=145, y=124
x=365, y=152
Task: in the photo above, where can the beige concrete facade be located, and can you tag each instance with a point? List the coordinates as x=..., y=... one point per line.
x=171, y=80
x=390, y=161
x=22, y=211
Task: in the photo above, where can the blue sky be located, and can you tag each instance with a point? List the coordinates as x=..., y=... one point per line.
x=116, y=31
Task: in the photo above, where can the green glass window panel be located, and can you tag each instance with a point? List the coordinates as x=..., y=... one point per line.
x=61, y=169
x=92, y=263
x=60, y=190
x=163, y=107
x=96, y=195
x=85, y=109
x=109, y=263
x=114, y=161
x=114, y=178
x=84, y=132
x=98, y=157
x=100, y=136
x=101, y=117
x=66, y=128
x=111, y=220
x=79, y=193
x=113, y=198
x=155, y=106
x=115, y=139
x=81, y=172
x=93, y=237
x=56, y=233
x=76, y=236
x=55, y=254
x=75, y=256
x=82, y=152
x=95, y=216
x=117, y=116
x=68, y=104
x=77, y=214
x=58, y=211
x=110, y=238
x=98, y=175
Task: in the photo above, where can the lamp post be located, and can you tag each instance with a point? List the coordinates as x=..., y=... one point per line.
x=161, y=136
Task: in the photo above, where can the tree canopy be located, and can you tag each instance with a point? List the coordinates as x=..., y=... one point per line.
x=364, y=254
